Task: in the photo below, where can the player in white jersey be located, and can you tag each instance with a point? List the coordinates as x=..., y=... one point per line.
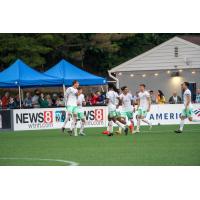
x=81, y=102
x=71, y=97
x=144, y=105
x=126, y=100
x=111, y=98
x=188, y=109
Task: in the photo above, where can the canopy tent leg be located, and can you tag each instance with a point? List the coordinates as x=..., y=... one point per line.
x=20, y=101
x=64, y=89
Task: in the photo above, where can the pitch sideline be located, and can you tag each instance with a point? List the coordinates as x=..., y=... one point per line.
x=71, y=163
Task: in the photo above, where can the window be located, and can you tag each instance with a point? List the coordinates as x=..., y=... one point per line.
x=176, y=52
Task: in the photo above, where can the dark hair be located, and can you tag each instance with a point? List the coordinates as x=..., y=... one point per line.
x=187, y=84
x=123, y=88
x=74, y=82
x=110, y=86
x=161, y=93
x=151, y=91
x=79, y=88
x=143, y=85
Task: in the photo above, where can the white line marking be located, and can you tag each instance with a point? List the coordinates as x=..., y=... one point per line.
x=169, y=131
x=71, y=163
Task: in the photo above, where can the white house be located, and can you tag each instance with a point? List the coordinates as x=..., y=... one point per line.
x=164, y=67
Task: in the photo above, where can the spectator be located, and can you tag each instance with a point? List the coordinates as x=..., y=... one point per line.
x=12, y=104
x=49, y=100
x=35, y=99
x=54, y=99
x=5, y=100
x=198, y=96
x=160, y=97
x=94, y=99
x=60, y=101
x=17, y=101
x=152, y=96
x=28, y=101
x=0, y=103
x=175, y=99
x=43, y=101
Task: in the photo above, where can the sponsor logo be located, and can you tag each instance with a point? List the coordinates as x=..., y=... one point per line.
x=197, y=112
x=60, y=115
x=164, y=116
x=96, y=114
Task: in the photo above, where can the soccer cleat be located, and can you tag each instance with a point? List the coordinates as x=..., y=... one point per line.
x=178, y=131
x=70, y=132
x=105, y=132
x=110, y=134
x=63, y=129
x=126, y=131
x=137, y=131
x=118, y=132
x=131, y=128
x=82, y=134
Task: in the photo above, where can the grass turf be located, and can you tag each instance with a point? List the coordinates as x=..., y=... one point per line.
x=157, y=147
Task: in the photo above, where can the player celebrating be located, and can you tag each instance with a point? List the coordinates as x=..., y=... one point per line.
x=111, y=99
x=187, y=110
x=127, y=106
x=71, y=103
x=144, y=104
x=81, y=102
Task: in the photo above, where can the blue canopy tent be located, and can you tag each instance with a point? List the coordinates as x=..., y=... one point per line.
x=20, y=75
x=68, y=72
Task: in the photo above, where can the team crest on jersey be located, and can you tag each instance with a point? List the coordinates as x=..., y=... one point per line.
x=197, y=112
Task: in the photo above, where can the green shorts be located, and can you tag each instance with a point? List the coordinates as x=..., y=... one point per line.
x=112, y=114
x=72, y=109
x=187, y=112
x=81, y=115
x=127, y=114
x=142, y=112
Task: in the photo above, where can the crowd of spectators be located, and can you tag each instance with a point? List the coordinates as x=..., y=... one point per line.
x=40, y=100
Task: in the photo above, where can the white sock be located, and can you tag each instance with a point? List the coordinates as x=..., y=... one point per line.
x=138, y=124
x=66, y=120
x=110, y=126
x=82, y=127
x=181, y=125
x=146, y=121
x=120, y=129
x=120, y=124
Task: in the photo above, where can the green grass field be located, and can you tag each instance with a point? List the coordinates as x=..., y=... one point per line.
x=157, y=147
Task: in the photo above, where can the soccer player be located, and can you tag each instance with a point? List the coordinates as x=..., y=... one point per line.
x=144, y=105
x=71, y=98
x=111, y=99
x=187, y=110
x=81, y=102
x=126, y=100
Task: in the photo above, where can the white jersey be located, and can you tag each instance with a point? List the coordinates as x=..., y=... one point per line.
x=80, y=101
x=143, y=97
x=71, y=96
x=113, y=99
x=126, y=102
x=185, y=95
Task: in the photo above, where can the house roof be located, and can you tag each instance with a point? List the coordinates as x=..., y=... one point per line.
x=194, y=39
x=126, y=65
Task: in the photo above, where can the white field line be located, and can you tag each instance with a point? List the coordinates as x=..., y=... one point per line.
x=70, y=163
x=168, y=131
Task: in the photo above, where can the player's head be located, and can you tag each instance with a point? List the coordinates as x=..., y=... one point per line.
x=75, y=84
x=111, y=86
x=80, y=90
x=185, y=85
x=142, y=87
x=124, y=89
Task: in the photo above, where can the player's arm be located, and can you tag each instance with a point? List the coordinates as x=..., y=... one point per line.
x=188, y=100
x=84, y=101
x=138, y=103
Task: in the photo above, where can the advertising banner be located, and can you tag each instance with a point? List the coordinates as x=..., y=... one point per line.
x=53, y=118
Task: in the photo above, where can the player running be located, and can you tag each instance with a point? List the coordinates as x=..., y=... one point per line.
x=144, y=105
x=127, y=109
x=71, y=98
x=81, y=102
x=188, y=109
x=111, y=98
